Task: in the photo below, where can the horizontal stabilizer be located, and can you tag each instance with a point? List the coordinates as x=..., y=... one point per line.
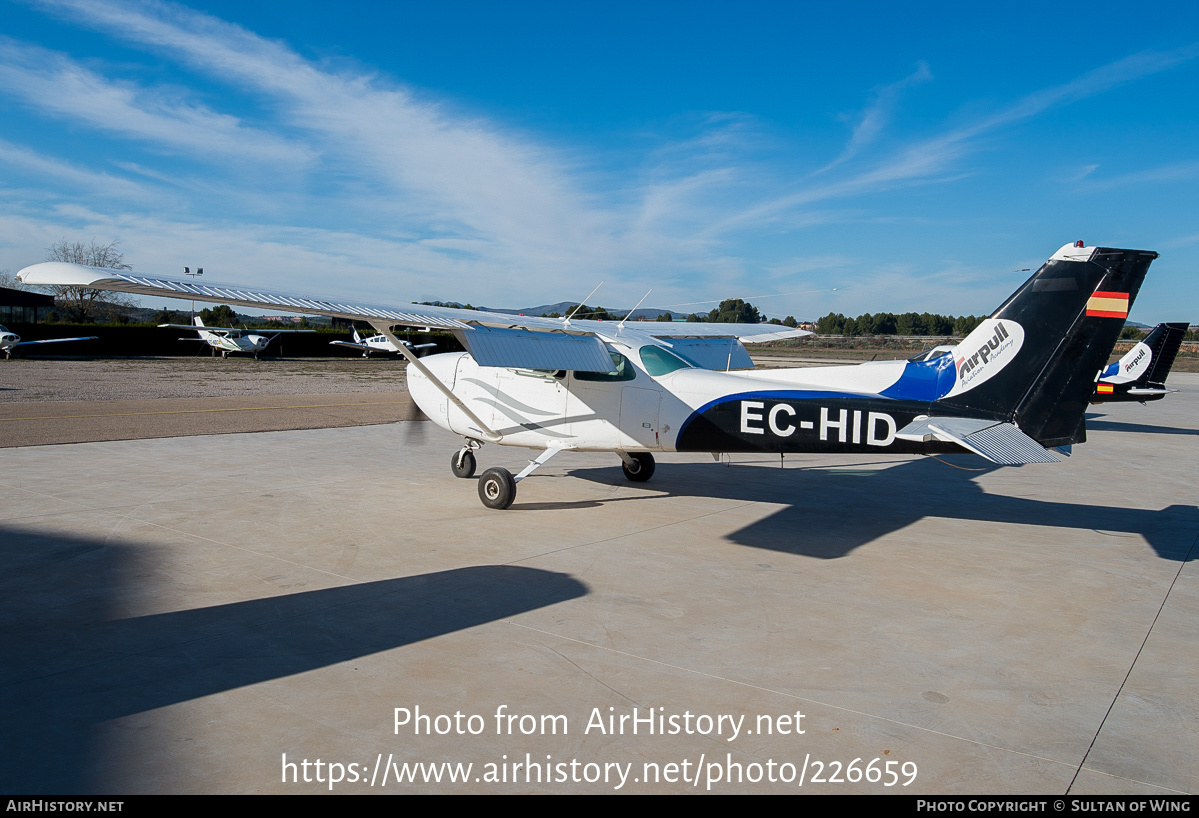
x=1000, y=443
x=521, y=349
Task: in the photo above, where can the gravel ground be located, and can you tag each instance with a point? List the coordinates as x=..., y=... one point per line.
x=47, y=379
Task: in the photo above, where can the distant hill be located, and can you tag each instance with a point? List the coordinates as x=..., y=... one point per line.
x=563, y=307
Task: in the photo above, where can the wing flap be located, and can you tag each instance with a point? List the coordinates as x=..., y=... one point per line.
x=521, y=349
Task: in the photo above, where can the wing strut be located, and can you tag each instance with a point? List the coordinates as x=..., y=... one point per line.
x=491, y=436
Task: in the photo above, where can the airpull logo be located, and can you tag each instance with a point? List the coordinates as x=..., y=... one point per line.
x=1138, y=362
x=992, y=355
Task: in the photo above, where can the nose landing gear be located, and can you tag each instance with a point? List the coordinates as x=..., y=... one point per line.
x=463, y=464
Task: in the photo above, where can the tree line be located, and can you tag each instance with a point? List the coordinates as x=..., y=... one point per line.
x=888, y=323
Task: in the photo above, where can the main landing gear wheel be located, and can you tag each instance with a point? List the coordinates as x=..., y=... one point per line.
x=497, y=488
x=641, y=469
x=465, y=468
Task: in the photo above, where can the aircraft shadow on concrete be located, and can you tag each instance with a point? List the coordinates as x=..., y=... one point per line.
x=1119, y=426
x=68, y=662
x=832, y=510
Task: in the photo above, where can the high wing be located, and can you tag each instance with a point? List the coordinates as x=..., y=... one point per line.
x=493, y=339
x=57, y=341
x=250, y=331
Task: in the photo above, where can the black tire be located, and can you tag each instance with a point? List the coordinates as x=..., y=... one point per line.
x=497, y=488
x=642, y=468
x=468, y=465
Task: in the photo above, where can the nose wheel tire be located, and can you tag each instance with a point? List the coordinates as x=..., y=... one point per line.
x=467, y=467
x=642, y=468
x=497, y=488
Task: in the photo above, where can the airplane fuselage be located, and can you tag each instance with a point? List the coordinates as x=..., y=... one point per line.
x=687, y=409
x=8, y=340
x=235, y=341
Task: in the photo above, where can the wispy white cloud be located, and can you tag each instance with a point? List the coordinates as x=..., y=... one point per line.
x=37, y=165
x=455, y=170
x=877, y=114
x=390, y=179
x=1176, y=172
x=933, y=159
x=1081, y=173
x=455, y=183
x=55, y=85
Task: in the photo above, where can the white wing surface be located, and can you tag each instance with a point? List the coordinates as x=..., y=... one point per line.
x=579, y=349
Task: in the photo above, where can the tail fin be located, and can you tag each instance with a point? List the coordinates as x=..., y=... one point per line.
x=1164, y=350
x=357, y=340
x=198, y=321
x=1034, y=361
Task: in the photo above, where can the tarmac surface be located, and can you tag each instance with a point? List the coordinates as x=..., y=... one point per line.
x=196, y=613
x=48, y=401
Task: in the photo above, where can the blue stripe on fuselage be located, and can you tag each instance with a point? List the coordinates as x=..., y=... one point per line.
x=924, y=380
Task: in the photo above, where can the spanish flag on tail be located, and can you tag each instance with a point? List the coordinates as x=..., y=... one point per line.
x=1108, y=305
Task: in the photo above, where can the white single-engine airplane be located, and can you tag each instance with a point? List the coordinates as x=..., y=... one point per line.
x=232, y=339
x=1017, y=386
x=377, y=343
x=10, y=341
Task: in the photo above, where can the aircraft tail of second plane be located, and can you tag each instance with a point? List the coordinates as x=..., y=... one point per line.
x=1141, y=374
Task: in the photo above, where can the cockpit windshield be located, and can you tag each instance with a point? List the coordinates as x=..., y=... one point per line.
x=660, y=361
x=930, y=354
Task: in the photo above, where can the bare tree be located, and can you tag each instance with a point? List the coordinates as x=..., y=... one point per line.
x=10, y=281
x=82, y=304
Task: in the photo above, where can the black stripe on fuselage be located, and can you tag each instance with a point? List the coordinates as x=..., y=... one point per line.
x=760, y=423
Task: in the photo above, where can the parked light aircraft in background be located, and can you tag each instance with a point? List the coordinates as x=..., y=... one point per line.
x=377, y=343
x=10, y=341
x=1015, y=388
x=1141, y=374
x=232, y=339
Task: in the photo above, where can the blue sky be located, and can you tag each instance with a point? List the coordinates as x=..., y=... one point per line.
x=913, y=157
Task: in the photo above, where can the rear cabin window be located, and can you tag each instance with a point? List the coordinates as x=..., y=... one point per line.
x=622, y=370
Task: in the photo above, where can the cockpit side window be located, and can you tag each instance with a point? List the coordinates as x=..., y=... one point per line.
x=659, y=361
x=622, y=370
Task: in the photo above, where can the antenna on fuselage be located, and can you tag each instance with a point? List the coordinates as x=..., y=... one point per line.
x=566, y=320
x=620, y=326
